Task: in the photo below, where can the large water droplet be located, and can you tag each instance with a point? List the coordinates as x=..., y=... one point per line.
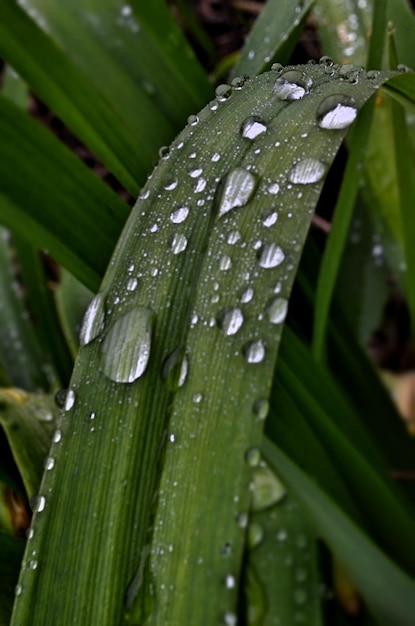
x=336, y=112
x=236, y=190
x=292, y=85
x=271, y=256
x=93, y=320
x=252, y=127
x=69, y=400
x=179, y=215
x=230, y=320
x=267, y=490
x=254, y=351
x=223, y=92
x=126, y=346
x=277, y=310
x=307, y=171
x=270, y=219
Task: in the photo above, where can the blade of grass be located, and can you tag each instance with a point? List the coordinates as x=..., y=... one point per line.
x=389, y=592
x=61, y=201
x=170, y=381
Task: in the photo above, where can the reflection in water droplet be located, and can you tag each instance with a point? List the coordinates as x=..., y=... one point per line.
x=197, y=398
x=179, y=215
x=242, y=520
x=252, y=127
x=69, y=400
x=223, y=92
x=271, y=256
x=126, y=346
x=236, y=190
x=254, y=351
x=270, y=219
x=277, y=310
x=307, y=171
x=195, y=172
x=292, y=85
x=230, y=320
x=336, y=112
x=93, y=320
x=170, y=184
x=179, y=243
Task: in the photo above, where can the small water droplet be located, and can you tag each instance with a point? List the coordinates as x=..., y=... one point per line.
x=307, y=171
x=230, y=582
x=273, y=188
x=170, y=184
x=176, y=369
x=292, y=85
x=233, y=237
x=230, y=619
x=132, y=284
x=193, y=120
x=270, y=219
x=242, y=520
x=254, y=351
x=49, y=463
x=18, y=590
x=33, y=564
x=200, y=185
x=277, y=310
x=223, y=92
x=40, y=503
x=236, y=190
x=93, y=321
x=195, y=172
x=255, y=535
x=70, y=400
x=247, y=295
x=271, y=256
x=30, y=533
x=239, y=81
x=253, y=457
x=197, y=398
x=336, y=112
x=261, y=408
x=172, y=437
x=126, y=346
x=225, y=263
x=230, y=320
x=164, y=153
x=179, y=243
x=57, y=436
x=252, y=127
x=179, y=215
x=215, y=157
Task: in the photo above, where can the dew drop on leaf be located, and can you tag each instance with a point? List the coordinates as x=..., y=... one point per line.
x=292, y=85
x=176, y=369
x=93, y=321
x=255, y=535
x=336, y=112
x=230, y=582
x=230, y=619
x=271, y=256
x=69, y=400
x=261, y=408
x=267, y=489
x=274, y=188
x=277, y=310
x=223, y=92
x=179, y=215
x=40, y=503
x=49, y=463
x=132, y=284
x=307, y=171
x=236, y=190
x=252, y=127
x=57, y=436
x=230, y=320
x=247, y=295
x=270, y=219
x=225, y=263
x=179, y=243
x=126, y=347
x=254, y=351
x=253, y=457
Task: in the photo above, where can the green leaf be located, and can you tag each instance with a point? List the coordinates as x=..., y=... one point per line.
x=273, y=36
x=165, y=414
x=61, y=202
x=389, y=592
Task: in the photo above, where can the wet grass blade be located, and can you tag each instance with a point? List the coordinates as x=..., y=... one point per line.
x=389, y=592
x=54, y=177
x=176, y=363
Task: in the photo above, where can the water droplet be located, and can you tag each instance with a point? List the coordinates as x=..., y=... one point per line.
x=170, y=184
x=254, y=351
x=30, y=533
x=307, y=171
x=336, y=112
x=18, y=590
x=253, y=457
x=40, y=503
x=200, y=185
x=233, y=237
x=164, y=153
x=236, y=190
x=132, y=284
x=225, y=263
x=239, y=81
x=230, y=619
x=223, y=92
x=242, y=520
x=326, y=60
x=270, y=219
x=271, y=256
x=197, y=398
x=126, y=346
x=282, y=535
x=70, y=400
x=193, y=120
x=176, y=369
x=195, y=172
x=255, y=535
x=252, y=127
x=49, y=463
x=230, y=320
x=93, y=321
x=247, y=295
x=261, y=408
x=267, y=489
x=273, y=188
x=179, y=215
x=179, y=243
x=33, y=564
x=277, y=310
x=215, y=157
x=230, y=582
x=292, y=85
x=57, y=436
x=172, y=437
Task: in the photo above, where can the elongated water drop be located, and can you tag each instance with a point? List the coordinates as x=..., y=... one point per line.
x=307, y=171
x=236, y=190
x=93, y=321
x=179, y=215
x=254, y=351
x=252, y=127
x=175, y=369
x=179, y=243
x=270, y=219
x=336, y=112
x=230, y=320
x=277, y=310
x=126, y=347
x=271, y=256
